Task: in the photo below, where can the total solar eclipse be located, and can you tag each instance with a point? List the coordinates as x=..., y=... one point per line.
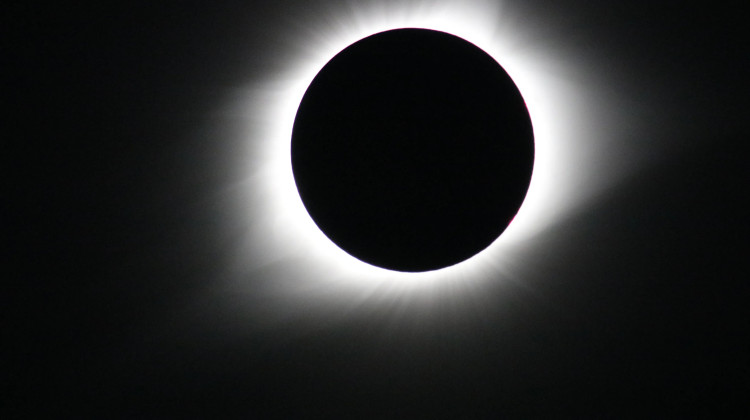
x=412, y=150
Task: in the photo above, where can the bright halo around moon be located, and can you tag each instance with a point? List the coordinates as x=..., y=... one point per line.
x=280, y=239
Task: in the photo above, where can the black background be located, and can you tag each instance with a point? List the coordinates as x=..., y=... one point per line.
x=109, y=224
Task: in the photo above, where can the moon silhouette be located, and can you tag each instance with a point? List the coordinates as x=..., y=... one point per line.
x=412, y=150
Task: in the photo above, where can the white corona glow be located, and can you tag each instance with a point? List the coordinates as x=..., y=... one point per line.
x=278, y=229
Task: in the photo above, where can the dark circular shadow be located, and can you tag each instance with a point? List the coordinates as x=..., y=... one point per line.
x=412, y=150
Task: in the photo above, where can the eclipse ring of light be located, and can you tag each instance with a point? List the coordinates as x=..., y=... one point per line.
x=280, y=231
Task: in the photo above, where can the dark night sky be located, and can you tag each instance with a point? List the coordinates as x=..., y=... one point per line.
x=115, y=229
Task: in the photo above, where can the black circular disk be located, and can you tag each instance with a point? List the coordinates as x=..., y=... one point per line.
x=412, y=150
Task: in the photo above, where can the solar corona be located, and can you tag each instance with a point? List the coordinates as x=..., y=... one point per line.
x=357, y=181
